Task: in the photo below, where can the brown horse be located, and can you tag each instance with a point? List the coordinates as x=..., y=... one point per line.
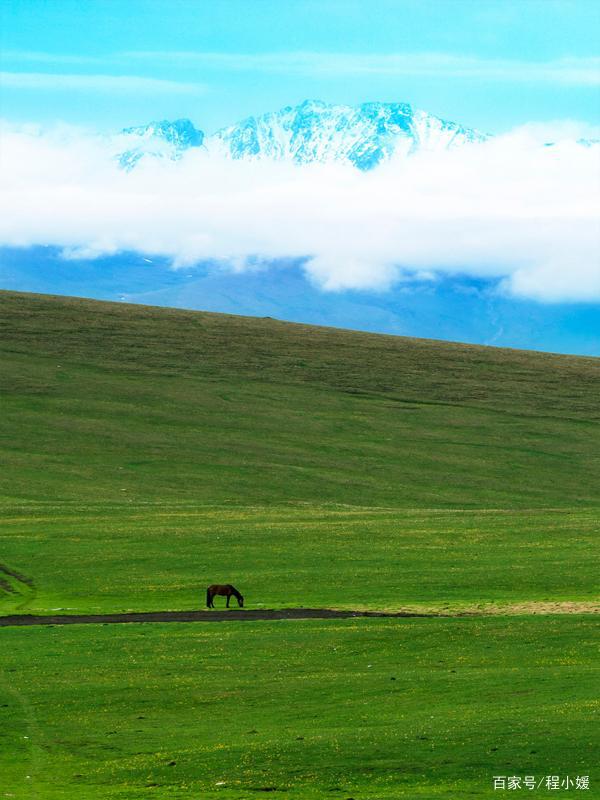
x=227, y=590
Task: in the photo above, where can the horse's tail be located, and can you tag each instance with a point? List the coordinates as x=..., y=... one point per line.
x=208, y=598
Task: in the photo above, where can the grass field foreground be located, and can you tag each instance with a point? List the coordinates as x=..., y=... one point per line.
x=363, y=709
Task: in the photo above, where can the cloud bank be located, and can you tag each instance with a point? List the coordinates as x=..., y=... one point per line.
x=509, y=209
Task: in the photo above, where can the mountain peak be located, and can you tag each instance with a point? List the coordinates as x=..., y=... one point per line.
x=181, y=132
x=363, y=135
x=163, y=138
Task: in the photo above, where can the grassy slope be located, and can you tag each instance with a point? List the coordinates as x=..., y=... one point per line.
x=110, y=402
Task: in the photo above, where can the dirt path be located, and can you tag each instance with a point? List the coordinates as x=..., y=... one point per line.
x=248, y=615
x=198, y=616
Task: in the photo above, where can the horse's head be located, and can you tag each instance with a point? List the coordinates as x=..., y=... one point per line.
x=241, y=600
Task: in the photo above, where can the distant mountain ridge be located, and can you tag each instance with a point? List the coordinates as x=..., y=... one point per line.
x=363, y=135
x=313, y=131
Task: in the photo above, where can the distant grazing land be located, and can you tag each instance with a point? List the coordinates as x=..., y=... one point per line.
x=109, y=402
x=147, y=452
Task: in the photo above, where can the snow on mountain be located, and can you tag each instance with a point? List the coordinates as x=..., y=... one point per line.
x=363, y=135
x=313, y=131
x=159, y=139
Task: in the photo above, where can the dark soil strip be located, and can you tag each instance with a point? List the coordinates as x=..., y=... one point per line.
x=199, y=616
x=16, y=575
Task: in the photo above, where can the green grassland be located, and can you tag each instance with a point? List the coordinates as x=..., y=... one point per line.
x=147, y=452
x=110, y=559
x=368, y=709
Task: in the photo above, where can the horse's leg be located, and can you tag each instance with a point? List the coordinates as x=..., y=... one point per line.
x=228, y=599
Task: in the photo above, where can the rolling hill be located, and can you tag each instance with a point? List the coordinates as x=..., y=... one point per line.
x=106, y=400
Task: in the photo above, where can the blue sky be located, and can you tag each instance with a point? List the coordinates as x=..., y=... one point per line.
x=108, y=63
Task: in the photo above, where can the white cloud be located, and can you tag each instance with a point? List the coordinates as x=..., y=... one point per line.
x=508, y=209
x=574, y=71
x=94, y=83
x=582, y=71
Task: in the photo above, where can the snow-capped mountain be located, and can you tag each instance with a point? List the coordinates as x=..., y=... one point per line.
x=313, y=131
x=361, y=135
x=159, y=139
